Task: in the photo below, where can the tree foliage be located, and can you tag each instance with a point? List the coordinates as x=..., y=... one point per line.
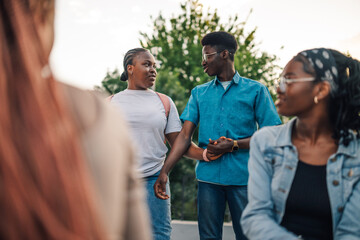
x=175, y=43
x=112, y=83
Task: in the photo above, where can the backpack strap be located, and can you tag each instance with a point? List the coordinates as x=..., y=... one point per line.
x=166, y=103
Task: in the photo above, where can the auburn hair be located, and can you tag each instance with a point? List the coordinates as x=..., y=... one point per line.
x=45, y=190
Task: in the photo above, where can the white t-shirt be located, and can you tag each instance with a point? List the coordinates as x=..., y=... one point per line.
x=225, y=84
x=145, y=115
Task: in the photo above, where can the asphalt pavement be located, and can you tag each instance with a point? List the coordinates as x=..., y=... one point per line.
x=188, y=230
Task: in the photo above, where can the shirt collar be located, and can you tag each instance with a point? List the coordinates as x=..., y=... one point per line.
x=284, y=139
x=235, y=79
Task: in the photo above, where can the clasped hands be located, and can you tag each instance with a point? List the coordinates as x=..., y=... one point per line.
x=216, y=148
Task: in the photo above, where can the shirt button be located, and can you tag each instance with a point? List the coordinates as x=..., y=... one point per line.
x=335, y=182
x=282, y=190
x=333, y=159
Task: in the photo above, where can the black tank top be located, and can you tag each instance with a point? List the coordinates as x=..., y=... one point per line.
x=308, y=211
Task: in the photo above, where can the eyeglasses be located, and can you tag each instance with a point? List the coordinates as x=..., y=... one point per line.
x=282, y=82
x=205, y=55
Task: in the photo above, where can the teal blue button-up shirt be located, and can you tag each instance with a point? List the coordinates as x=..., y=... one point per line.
x=234, y=113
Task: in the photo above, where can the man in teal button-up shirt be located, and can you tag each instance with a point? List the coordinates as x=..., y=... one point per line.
x=233, y=113
x=229, y=106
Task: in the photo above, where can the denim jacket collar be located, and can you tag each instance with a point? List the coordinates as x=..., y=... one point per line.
x=284, y=139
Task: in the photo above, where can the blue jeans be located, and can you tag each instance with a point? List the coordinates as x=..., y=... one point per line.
x=212, y=200
x=160, y=213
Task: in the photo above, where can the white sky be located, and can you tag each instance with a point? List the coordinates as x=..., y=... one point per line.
x=92, y=36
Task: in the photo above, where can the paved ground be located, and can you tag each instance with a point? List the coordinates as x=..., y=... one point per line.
x=188, y=230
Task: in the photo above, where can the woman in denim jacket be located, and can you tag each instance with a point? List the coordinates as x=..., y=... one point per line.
x=304, y=175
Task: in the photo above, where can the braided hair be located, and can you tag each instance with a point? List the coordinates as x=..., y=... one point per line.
x=128, y=60
x=344, y=107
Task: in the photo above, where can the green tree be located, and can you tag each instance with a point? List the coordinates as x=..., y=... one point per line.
x=112, y=83
x=175, y=43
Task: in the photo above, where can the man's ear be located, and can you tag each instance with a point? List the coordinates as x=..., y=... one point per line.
x=225, y=54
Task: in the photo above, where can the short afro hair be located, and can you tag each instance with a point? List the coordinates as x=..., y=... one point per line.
x=221, y=41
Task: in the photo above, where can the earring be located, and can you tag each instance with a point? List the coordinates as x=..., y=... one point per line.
x=316, y=101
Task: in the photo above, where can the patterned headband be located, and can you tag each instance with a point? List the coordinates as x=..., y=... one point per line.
x=324, y=64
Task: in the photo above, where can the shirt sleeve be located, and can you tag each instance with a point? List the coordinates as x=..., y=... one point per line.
x=173, y=121
x=265, y=111
x=191, y=111
x=258, y=220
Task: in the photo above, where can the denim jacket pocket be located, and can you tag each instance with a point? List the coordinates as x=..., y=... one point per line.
x=274, y=157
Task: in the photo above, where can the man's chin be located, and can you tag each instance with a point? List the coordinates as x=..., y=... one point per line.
x=211, y=74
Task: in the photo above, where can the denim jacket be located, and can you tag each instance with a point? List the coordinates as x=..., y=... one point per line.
x=272, y=165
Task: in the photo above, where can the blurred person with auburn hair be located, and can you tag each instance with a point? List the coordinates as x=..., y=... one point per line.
x=66, y=167
x=305, y=175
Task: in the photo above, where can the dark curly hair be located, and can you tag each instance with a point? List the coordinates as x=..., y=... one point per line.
x=221, y=41
x=344, y=104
